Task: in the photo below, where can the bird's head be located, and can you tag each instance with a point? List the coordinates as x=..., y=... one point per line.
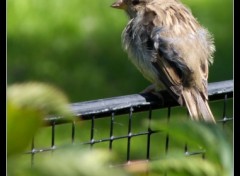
x=130, y=6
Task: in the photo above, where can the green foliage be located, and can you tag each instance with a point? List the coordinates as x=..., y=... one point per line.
x=186, y=167
x=41, y=97
x=22, y=123
x=206, y=137
x=27, y=105
x=70, y=161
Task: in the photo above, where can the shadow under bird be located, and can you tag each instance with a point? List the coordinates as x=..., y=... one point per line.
x=171, y=49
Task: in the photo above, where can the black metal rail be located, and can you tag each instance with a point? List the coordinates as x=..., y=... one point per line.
x=112, y=107
x=140, y=102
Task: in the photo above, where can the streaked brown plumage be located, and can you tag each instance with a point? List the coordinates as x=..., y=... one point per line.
x=171, y=49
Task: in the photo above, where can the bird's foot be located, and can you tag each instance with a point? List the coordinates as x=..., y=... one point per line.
x=152, y=89
x=149, y=89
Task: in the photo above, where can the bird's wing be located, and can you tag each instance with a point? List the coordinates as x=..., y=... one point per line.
x=171, y=33
x=173, y=71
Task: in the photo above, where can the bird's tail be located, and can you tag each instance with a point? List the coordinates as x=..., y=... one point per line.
x=197, y=105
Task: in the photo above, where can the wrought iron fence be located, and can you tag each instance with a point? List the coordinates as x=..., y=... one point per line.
x=123, y=117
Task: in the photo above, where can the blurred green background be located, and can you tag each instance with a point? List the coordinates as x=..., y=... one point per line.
x=76, y=46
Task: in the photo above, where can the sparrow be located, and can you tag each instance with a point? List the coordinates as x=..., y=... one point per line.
x=171, y=49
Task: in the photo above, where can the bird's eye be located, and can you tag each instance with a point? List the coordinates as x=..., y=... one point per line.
x=135, y=2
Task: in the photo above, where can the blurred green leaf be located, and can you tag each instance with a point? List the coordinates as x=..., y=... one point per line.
x=22, y=124
x=184, y=166
x=70, y=161
x=209, y=138
x=27, y=105
x=41, y=97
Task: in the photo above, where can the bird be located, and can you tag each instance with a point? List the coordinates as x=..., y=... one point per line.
x=171, y=49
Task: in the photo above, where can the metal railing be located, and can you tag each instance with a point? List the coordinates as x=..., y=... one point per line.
x=128, y=107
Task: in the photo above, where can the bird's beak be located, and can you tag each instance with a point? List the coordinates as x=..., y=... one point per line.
x=119, y=4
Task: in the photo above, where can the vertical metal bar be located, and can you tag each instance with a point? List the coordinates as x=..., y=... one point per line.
x=186, y=146
x=149, y=136
x=32, y=152
x=53, y=135
x=149, y=133
x=186, y=149
x=111, y=131
x=73, y=132
x=129, y=133
x=167, y=136
x=92, y=132
x=224, y=111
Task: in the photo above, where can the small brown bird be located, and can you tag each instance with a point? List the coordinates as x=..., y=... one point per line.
x=171, y=49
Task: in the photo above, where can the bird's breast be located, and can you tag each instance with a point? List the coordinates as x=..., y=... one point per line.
x=136, y=42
